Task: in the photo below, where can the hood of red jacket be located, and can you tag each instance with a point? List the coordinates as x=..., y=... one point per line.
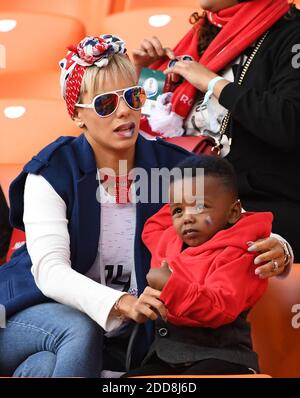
x=250, y=227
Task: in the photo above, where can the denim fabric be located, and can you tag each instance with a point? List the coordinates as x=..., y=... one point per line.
x=51, y=340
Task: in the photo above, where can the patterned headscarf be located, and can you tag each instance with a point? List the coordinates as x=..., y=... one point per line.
x=89, y=52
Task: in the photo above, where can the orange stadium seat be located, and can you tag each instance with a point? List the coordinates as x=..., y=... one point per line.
x=169, y=34
x=135, y=4
x=276, y=326
x=8, y=172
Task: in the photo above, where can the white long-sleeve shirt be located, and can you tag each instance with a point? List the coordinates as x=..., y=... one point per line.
x=48, y=244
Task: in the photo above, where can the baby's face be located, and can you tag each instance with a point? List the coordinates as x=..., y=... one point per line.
x=198, y=219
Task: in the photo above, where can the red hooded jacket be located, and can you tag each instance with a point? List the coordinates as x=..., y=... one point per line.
x=211, y=284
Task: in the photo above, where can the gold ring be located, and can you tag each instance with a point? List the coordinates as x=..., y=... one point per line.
x=275, y=265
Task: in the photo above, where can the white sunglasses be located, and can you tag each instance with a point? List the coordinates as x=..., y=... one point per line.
x=107, y=103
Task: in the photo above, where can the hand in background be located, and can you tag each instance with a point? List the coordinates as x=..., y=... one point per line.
x=150, y=50
x=158, y=277
x=197, y=74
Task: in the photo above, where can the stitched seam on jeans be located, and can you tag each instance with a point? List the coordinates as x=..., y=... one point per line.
x=33, y=327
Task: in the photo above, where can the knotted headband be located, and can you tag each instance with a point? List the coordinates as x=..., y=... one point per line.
x=89, y=52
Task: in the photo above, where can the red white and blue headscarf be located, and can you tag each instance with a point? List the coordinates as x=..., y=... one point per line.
x=91, y=51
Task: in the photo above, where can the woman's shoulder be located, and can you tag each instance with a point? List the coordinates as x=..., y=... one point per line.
x=58, y=152
x=161, y=152
x=283, y=36
x=174, y=147
x=158, y=142
x=289, y=24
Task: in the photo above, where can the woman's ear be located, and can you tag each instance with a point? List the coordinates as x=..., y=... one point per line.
x=235, y=212
x=78, y=121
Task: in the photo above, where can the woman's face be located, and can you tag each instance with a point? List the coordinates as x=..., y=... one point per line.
x=216, y=5
x=117, y=132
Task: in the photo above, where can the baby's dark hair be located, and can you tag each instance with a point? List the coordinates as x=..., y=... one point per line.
x=213, y=166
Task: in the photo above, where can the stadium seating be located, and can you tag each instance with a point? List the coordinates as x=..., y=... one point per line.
x=138, y=4
x=276, y=326
x=138, y=21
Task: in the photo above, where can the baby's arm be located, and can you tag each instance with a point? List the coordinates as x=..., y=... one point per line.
x=154, y=227
x=230, y=289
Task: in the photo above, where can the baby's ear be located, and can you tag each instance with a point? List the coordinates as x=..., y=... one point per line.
x=235, y=212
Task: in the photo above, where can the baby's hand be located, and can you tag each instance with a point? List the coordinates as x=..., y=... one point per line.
x=158, y=277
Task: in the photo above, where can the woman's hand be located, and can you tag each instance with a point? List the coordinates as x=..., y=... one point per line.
x=147, y=306
x=272, y=254
x=150, y=51
x=198, y=75
x=158, y=277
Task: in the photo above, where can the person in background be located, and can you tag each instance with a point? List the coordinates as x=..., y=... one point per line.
x=242, y=89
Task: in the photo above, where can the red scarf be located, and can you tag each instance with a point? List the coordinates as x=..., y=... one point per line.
x=241, y=25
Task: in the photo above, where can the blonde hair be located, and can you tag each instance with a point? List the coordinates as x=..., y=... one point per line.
x=94, y=77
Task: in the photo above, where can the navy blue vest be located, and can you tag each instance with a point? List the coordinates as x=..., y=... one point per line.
x=68, y=164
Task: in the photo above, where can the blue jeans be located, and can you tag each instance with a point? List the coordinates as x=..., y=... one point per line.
x=51, y=340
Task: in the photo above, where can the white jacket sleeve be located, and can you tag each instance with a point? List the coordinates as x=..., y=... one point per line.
x=48, y=244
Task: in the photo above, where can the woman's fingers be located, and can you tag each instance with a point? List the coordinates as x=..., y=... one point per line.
x=263, y=245
x=147, y=306
x=181, y=68
x=169, y=53
x=175, y=78
x=156, y=44
x=177, y=69
x=155, y=48
x=138, y=52
x=272, y=257
x=149, y=300
x=144, y=313
x=269, y=248
x=148, y=47
x=150, y=50
x=149, y=292
x=268, y=270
